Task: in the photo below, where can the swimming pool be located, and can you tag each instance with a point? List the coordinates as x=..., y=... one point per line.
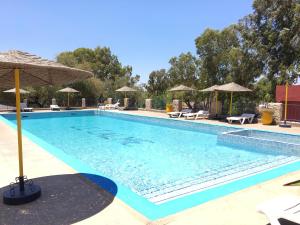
x=161, y=166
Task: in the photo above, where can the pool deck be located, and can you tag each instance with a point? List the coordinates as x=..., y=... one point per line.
x=234, y=209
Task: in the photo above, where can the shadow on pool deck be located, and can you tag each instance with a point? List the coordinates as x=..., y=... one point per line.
x=65, y=199
x=285, y=222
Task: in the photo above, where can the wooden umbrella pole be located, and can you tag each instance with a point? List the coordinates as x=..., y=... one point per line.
x=216, y=103
x=19, y=125
x=68, y=99
x=230, y=110
x=286, y=100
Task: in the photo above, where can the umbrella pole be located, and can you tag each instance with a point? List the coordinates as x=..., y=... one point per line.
x=286, y=99
x=284, y=124
x=68, y=99
x=19, y=125
x=230, y=109
x=27, y=191
x=216, y=104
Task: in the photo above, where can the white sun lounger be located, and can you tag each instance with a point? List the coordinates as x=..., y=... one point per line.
x=54, y=107
x=24, y=107
x=110, y=106
x=242, y=118
x=201, y=114
x=283, y=207
x=179, y=114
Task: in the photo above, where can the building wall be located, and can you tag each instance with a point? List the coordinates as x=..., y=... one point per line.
x=293, y=111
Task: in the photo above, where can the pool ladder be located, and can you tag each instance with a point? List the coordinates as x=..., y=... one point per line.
x=100, y=110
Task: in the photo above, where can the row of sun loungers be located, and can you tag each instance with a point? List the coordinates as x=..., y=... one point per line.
x=188, y=114
x=109, y=106
x=179, y=114
x=202, y=114
x=25, y=108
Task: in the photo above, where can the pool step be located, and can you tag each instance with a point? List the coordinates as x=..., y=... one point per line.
x=209, y=179
x=205, y=175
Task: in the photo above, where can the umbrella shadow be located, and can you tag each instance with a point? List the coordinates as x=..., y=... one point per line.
x=66, y=199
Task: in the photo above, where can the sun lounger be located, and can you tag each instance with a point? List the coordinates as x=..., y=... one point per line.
x=54, y=107
x=24, y=107
x=179, y=114
x=201, y=114
x=244, y=117
x=284, y=207
x=111, y=106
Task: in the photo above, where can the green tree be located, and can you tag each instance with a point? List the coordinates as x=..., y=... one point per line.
x=90, y=89
x=184, y=69
x=263, y=90
x=244, y=64
x=109, y=72
x=213, y=48
x=275, y=30
x=100, y=61
x=158, y=82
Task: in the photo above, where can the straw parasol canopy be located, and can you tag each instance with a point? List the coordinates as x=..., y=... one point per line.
x=68, y=90
x=210, y=89
x=22, y=91
x=181, y=88
x=23, y=69
x=232, y=87
x=126, y=89
x=36, y=71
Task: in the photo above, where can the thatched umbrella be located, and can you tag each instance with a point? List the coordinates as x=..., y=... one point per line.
x=211, y=89
x=232, y=87
x=68, y=90
x=182, y=88
x=20, y=68
x=126, y=89
x=22, y=91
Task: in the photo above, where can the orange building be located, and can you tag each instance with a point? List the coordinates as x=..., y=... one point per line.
x=293, y=112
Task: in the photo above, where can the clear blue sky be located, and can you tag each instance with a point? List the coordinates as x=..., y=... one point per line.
x=144, y=34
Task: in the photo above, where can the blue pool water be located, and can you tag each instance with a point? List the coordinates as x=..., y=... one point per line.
x=157, y=159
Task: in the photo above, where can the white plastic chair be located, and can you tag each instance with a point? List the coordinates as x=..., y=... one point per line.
x=24, y=107
x=54, y=107
x=283, y=207
x=201, y=114
x=179, y=114
x=245, y=116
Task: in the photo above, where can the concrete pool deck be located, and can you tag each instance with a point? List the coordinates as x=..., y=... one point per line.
x=235, y=209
